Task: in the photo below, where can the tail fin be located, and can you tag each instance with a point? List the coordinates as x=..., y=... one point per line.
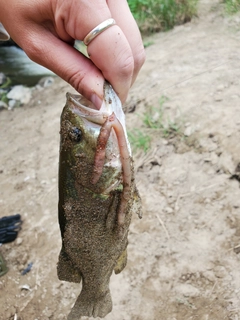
x=94, y=306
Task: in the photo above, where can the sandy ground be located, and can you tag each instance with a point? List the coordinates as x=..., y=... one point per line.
x=182, y=264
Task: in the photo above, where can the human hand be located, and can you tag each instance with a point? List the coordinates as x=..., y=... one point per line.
x=46, y=30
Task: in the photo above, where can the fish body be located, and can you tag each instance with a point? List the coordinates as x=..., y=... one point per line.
x=97, y=196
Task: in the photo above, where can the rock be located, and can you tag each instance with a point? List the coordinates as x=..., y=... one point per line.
x=3, y=105
x=12, y=104
x=46, y=82
x=3, y=78
x=220, y=87
x=226, y=163
x=20, y=93
x=218, y=98
x=168, y=210
x=19, y=241
x=220, y=272
x=187, y=290
x=209, y=274
x=188, y=131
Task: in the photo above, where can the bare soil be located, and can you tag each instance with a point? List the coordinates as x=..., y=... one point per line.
x=182, y=258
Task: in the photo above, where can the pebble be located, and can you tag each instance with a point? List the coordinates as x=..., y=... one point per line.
x=168, y=210
x=226, y=163
x=46, y=82
x=188, y=131
x=20, y=93
x=218, y=98
x=220, y=272
x=220, y=87
x=12, y=104
x=209, y=275
x=187, y=290
x=3, y=78
x=3, y=105
x=19, y=241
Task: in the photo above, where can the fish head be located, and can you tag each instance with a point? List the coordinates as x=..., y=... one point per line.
x=81, y=123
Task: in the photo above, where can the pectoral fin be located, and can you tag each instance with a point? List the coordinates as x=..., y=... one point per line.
x=121, y=263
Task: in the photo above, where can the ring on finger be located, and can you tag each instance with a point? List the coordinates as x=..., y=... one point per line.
x=97, y=30
x=82, y=45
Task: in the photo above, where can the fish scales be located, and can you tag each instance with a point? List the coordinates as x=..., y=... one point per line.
x=94, y=239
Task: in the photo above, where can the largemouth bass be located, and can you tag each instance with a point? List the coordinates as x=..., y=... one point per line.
x=97, y=196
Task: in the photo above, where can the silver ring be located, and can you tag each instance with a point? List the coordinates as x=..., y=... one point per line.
x=99, y=29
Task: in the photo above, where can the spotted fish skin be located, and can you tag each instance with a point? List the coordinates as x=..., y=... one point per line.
x=93, y=242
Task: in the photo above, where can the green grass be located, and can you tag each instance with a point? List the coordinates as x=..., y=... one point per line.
x=232, y=6
x=139, y=140
x=153, y=117
x=161, y=15
x=154, y=123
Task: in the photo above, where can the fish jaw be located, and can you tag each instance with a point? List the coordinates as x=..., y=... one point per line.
x=111, y=103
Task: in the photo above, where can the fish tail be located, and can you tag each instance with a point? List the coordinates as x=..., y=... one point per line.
x=94, y=306
x=66, y=270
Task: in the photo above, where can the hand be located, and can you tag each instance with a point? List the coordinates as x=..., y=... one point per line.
x=46, y=30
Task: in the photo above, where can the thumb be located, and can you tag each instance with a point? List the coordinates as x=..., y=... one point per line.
x=68, y=63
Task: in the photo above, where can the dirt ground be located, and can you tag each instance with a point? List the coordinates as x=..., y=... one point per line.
x=183, y=262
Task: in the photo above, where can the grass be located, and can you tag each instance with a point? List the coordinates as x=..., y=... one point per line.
x=155, y=123
x=139, y=140
x=154, y=118
x=161, y=15
x=232, y=6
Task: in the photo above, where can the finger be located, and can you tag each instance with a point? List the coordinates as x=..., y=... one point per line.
x=111, y=53
x=66, y=62
x=121, y=13
x=79, y=18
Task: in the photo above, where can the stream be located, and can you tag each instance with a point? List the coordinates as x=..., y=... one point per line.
x=15, y=64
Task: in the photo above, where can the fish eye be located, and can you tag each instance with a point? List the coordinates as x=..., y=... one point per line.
x=75, y=134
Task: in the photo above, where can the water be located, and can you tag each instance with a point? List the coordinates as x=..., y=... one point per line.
x=15, y=64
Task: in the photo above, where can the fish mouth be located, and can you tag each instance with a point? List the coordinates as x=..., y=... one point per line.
x=86, y=109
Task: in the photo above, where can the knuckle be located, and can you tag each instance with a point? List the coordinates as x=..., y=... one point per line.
x=126, y=67
x=139, y=59
x=77, y=81
x=34, y=49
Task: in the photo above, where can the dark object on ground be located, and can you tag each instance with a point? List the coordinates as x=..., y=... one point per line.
x=25, y=271
x=3, y=266
x=9, y=228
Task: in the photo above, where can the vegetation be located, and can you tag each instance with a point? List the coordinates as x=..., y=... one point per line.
x=232, y=6
x=161, y=15
x=139, y=140
x=155, y=123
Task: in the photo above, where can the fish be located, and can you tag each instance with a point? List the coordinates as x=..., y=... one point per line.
x=4, y=35
x=97, y=198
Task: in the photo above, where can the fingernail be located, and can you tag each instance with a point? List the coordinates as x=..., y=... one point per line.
x=96, y=100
